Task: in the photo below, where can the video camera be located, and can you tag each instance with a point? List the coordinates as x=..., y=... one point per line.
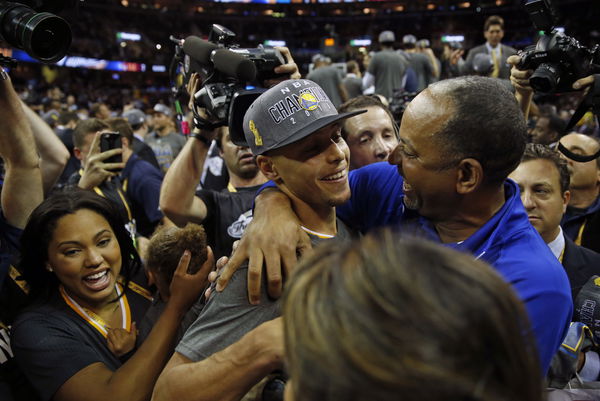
x=558, y=60
x=42, y=35
x=231, y=76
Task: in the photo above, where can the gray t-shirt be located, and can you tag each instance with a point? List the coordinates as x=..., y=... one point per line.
x=421, y=64
x=329, y=78
x=388, y=68
x=353, y=85
x=228, y=315
x=165, y=148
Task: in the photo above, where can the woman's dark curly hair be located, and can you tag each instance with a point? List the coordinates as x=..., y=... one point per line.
x=40, y=229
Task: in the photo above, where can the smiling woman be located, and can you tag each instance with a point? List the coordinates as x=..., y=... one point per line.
x=78, y=333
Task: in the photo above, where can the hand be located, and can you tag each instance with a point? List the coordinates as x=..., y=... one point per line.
x=192, y=87
x=128, y=106
x=214, y=275
x=95, y=170
x=185, y=288
x=13, y=121
x=273, y=238
x=584, y=83
x=290, y=68
x=121, y=341
x=519, y=78
x=456, y=55
x=142, y=247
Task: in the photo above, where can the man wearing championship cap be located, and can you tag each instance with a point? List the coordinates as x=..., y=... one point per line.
x=294, y=131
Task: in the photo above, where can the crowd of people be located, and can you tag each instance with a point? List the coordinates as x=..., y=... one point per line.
x=455, y=236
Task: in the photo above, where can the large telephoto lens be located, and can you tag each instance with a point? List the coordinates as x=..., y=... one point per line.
x=545, y=78
x=43, y=36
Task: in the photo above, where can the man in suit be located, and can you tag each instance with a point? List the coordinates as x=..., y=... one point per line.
x=493, y=31
x=543, y=179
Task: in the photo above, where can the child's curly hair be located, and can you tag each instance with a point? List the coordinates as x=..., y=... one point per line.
x=168, y=244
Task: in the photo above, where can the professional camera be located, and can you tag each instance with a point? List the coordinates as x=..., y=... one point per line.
x=231, y=76
x=42, y=35
x=558, y=60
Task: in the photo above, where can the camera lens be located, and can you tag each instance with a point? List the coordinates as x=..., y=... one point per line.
x=43, y=36
x=545, y=78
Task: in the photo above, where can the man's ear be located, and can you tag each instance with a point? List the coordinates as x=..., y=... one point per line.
x=125, y=142
x=566, y=198
x=469, y=176
x=151, y=277
x=77, y=153
x=267, y=167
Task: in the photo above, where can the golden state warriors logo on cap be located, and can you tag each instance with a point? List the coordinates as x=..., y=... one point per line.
x=257, y=138
x=308, y=101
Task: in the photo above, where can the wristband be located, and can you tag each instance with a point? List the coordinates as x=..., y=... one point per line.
x=201, y=138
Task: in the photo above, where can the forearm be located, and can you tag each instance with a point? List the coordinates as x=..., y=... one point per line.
x=435, y=71
x=21, y=193
x=524, y=100
x=53, y=153
x=22, y=188
x=268, y=199
x=368, y=80
x=177, y=194
x=225, y=376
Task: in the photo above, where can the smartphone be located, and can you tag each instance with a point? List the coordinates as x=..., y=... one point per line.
x=108, y=141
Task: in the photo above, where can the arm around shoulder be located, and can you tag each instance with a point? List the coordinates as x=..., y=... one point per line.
x=226, y=375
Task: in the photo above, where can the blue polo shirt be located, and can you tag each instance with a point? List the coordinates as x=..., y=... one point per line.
x=507, y=241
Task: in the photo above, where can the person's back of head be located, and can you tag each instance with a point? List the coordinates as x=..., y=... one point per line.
x=68, y=117
x=99, y=110
x=384, y=316
x=409, y=42
x=352, y=67
x=387, y=39
x=120, y=125
x=136, y=119
x=165, y=248
x=486, y=125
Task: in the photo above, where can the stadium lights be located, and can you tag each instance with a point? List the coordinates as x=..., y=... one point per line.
x=274, y=43
x=453, y=38
x=360, y=42
x=134, y=37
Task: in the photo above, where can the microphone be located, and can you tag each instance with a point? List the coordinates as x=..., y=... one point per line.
x=234, y=65
x=198, y=49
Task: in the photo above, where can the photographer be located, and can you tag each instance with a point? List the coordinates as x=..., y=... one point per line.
x=224, y=214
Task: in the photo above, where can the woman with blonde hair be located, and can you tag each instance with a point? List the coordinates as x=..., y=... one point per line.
x=385, y=319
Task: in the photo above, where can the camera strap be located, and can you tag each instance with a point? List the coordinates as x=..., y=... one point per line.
x=590, y=101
